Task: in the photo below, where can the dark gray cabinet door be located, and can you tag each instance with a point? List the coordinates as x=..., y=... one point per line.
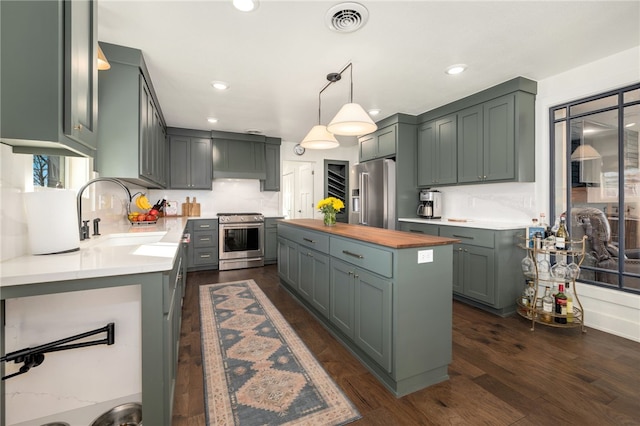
x=499, y=139
x=288, y=261
x=478, y=273
x=81, y=73
x=470, y=145
x=272, y=166
x=373, y=309
x=368, y=147
x=313, y=283
x=458, y=271
x=437, y=152
x=179, y=174
x=200, y=163
x=342, y=312
x=270, y=245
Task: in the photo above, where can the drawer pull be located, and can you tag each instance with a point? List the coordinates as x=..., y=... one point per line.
x=416, y=231
x=205, y=256
x=348, y=253
x=463, y=236
x=205, y=239
x=309, y=240
x=204, y=226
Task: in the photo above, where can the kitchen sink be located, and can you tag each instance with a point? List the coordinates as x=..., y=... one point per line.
x=126, y=239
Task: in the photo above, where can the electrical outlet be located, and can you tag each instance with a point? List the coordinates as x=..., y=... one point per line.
x=425, y=256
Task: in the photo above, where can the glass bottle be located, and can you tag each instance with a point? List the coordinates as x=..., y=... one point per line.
x=562, y=235
x=569, y=294
x=547, y=305
x=542, y=222
x=561, y=305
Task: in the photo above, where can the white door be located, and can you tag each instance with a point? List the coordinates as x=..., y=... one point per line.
x=297, y=183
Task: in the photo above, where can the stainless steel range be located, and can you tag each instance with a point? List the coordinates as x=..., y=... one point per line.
x=241, y=242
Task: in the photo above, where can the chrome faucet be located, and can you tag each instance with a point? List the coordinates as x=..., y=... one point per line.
x=85, y=235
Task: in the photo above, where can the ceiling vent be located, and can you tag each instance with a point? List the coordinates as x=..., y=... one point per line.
x=346, y=17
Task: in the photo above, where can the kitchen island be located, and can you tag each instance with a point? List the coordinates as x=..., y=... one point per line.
x=145, y=257
x=386, y=295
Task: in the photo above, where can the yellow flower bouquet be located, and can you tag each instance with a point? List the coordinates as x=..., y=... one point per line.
x=329, y=207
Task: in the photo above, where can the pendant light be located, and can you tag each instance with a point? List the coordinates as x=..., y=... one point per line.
x=352, y=119
x=319, y=137
x=103, y=64
x=584, y=153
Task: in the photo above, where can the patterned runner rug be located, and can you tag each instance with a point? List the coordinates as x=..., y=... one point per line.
x=257, y=371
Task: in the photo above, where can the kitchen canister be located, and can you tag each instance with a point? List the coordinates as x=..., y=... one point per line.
x=52, y=221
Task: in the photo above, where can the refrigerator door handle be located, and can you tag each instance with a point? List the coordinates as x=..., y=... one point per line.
x=364, y=200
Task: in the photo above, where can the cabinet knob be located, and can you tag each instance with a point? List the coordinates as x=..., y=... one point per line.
x=77, y=127
x=356, y=275
x=350, y=273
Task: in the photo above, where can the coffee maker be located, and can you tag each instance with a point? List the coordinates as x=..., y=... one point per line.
x=430, y=206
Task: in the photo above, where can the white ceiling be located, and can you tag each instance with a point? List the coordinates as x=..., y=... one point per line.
x=276, y=58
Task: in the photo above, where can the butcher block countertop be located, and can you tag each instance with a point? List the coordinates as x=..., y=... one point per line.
x=384, y=237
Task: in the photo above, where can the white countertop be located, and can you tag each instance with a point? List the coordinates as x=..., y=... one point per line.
x=94, y=260
x=468, y=223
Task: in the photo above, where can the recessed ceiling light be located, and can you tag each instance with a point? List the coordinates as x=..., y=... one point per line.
x=220, y=85
x=374, y=111
x=455, y=69
x=245, y=5
x=212, y=120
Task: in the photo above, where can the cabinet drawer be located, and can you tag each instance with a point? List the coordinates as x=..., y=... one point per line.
x=471, y=236
x=420, y=228
x=205, y=239
x=205, y=224
x=205, y=256
x=373, y=259
x=315, y=240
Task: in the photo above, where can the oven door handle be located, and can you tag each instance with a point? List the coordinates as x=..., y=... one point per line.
x=242, y=225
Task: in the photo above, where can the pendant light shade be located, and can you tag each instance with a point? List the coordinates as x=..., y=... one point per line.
x=585, y=152
x=319, y=138
x=103, y=64
x=352, y=120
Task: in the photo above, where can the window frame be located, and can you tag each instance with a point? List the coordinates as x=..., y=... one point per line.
x=567, y=202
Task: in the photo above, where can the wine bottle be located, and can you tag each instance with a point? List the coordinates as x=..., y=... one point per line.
x=561, y=305
x=562, y=235
x=547, y=305
x=569, y=295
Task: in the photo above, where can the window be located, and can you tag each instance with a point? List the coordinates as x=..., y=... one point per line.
x=595, y=179
x=48, y=171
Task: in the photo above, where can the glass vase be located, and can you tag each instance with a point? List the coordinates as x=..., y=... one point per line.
x=330, y=218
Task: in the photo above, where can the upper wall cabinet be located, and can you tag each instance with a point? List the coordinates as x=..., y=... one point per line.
x=190, y=159
x=49, y=76
x=437, y=142
x=380, y=144
x=493, y=137
x=272, y=165
x=132, y=135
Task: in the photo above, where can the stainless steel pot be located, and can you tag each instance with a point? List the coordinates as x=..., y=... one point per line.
x=129, y=414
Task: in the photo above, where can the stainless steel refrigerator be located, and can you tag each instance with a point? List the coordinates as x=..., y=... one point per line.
x=373, y=194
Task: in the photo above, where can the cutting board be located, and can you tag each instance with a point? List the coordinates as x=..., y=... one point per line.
x=186, y=208
x=195, y=208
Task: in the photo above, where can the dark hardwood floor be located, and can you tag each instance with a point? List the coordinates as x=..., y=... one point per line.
x=501, y=374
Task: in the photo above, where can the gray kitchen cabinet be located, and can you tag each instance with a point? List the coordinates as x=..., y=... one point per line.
x=131, y=137
x=203, y=248
x=437, y=152
x=189, y=159
x=486, y=141
x=272, y=165
x=486, y=267
x=49, y=77
x=494, y=137
x=271, y=239
x=380, y=144
x=377, y=297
